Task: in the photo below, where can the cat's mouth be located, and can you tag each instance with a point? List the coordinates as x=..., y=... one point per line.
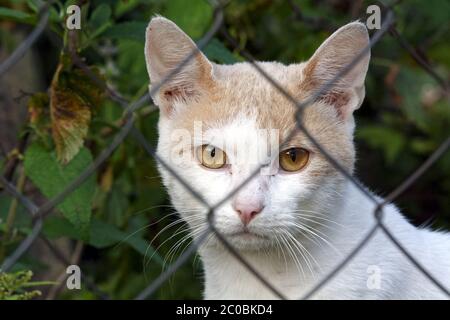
x=245, y=233
x=245, y=239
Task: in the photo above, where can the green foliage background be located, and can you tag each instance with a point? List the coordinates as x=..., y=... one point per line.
x=118, y=212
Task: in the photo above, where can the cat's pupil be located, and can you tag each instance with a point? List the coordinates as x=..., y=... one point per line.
x=292, y=154
x=213, y=152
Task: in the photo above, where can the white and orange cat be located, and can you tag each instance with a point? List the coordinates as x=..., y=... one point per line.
x=295, y=221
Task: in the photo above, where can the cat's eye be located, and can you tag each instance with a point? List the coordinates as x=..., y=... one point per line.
x=293, y=159
x=211, y=157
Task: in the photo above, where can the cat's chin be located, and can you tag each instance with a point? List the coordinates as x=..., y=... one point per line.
x=245, y=241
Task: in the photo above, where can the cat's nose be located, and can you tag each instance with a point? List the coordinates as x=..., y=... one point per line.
x=247, y=211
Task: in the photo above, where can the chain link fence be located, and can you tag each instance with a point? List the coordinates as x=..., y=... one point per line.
x=39, y=213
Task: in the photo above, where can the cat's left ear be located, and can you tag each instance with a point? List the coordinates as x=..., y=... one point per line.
x=166, y=47
x=335, y=53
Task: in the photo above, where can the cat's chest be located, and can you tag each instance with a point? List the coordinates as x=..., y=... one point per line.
x=231, y=280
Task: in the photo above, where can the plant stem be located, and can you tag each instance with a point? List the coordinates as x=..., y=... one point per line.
x=12, y=213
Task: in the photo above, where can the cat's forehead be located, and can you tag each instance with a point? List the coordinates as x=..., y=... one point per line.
x=241, y=91
x=244, y=83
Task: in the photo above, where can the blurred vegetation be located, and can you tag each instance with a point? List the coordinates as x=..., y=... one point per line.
x=16, y=286
x=121, y=214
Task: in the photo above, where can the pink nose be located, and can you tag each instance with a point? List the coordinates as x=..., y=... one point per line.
x=247, y=211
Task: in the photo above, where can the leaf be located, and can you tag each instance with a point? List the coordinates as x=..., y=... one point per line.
x=38, y=114
x=70, y=122
x=134, y=30
x=102, y=235
x=16, y=15
x=37, y=104
x=51, y=177
x=215, y=50
x=386, y=139
x=72, y=97
x=192, y=17
x=100, y=16
x=35, y=6
x=100, y=20
x=22, y=220
x=411, y=83
x=131, y=63
x=116, y=206
x=123, y=7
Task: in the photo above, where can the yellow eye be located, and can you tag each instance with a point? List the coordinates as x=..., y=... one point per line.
x=293, y=159
x=211, y=157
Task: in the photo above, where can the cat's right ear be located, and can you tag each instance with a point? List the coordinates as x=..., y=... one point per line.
x=166, y=46
x=339, y=50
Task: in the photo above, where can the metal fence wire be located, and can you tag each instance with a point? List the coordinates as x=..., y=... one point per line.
x=127, y=128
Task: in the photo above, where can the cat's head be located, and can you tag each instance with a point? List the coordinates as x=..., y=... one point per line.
x=219, y=122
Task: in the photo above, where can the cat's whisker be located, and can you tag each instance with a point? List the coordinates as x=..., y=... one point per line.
x=154, y=177
x=142, y=228
x=315, y=232
x=177, y=232
x=302, y=247
x=282, y=251
x=302, y=250
x=315, y=213
x=318, y=186
x=155, y=207
x=174, y=223
x=172, y=251
x=309, y=231
x=191, y=238
x=309, y=237
x=320, y=218
x=292, y=255
x=310, y=219
x=312, y=230
x=191, y=218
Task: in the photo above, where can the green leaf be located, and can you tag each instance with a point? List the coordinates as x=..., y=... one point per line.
x=216, y=51
x=116, y=206
x=410, y=84
x=388, y=140
x=100, y=16
x=193, y=17
x=134, y=30
x=35, y=5
x=123, y=7
x=57, y=227
x=16, y=15
x=131, y=63
x=100, y=20
x=102, y=235
x=51, y=177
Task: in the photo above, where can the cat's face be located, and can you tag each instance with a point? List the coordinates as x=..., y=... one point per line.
x=219, y=123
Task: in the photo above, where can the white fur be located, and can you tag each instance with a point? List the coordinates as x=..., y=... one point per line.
x=226, y=278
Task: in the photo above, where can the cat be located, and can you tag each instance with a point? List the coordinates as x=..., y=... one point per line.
x=297, y=220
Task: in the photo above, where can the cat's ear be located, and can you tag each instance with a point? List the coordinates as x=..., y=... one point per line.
x=334, y=54
x=166, y=46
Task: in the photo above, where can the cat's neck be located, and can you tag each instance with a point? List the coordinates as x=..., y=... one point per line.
x=295, y=269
